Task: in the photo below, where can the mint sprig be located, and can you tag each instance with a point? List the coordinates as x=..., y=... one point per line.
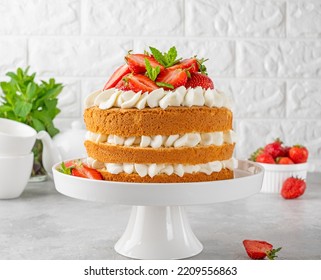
x=65, y=170
x=161, y=84
x=166, y=59
x=27, y=101
x=152, y=72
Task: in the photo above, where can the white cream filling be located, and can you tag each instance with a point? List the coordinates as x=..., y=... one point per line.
x=176, y=141
x=158, y=98
x=154, y=169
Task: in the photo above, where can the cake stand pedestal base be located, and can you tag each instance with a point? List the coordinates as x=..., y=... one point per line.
x=158, y=232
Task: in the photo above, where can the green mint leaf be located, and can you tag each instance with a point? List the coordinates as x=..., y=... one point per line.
x=158, y=56
x=22, y=109
x=152, y=72
x=37, y=124
x=160, y=84
x=31, y=91
x=65, y=170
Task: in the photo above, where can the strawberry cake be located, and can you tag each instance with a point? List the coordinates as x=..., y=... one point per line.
x=159, y=119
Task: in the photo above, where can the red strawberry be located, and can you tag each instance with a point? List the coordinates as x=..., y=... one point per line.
x=286, y=151
x=140, y=82
x=122, y=85
x=265, y=158
x=299, y=154
x=84, y=171
x=174, y=77
x=275, y=149
x=258, y=250
x=136, y=63
x=284, y=160
x=117, y=76
x=189, y=64
x=293, y=188
x=199, y=79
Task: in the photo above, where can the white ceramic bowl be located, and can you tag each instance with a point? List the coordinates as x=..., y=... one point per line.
x=276, y=174
x=16, y=138
x=15, y=172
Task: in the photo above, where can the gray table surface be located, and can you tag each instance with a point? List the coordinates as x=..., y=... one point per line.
x=43, y=224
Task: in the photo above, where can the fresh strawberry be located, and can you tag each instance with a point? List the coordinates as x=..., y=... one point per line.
x=199, y=79
x=117, y=76
x=275, y=149
x=284, y=160
x=174, y=77
x=286, y=151
x=299, y=154
x=136, y=63
x=265, y=158
x=258, y=250
x=140, y=82
x=293, y=188
x=189, y=64
x=122, y=85
x=86, y=172
x=255, y=154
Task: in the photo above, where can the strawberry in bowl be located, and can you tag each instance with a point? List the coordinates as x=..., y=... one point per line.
x=281, y=162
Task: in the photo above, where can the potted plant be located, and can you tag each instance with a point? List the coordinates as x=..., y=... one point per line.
x=33, y=103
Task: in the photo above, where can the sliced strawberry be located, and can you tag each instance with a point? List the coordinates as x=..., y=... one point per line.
x=174, y=77
x=140, y=82
x=117, y=76
x=258, y=250
x=200, y=80
x=84, y=171
x=189, y=64
x=136, y=63
x=122, y=85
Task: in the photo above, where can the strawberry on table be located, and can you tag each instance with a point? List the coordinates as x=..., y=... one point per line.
x=258, y=250
x=199, y=79
x=293, y=188
x=117, y=76
x=136, y=63
x=284, y=160
x=172, y=78
x=299, y=154
x=265, y=158
x=140, y=82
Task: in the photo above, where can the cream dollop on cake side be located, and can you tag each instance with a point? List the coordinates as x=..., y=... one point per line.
x=181, y=96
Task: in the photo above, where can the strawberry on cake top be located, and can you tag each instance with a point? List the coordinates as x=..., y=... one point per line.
x=159, y=119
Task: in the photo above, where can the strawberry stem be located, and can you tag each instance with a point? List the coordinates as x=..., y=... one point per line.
x=271, y=255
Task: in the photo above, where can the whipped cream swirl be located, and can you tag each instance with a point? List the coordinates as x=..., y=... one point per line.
x=154, y=169
x=181, y=96
x=176, y=141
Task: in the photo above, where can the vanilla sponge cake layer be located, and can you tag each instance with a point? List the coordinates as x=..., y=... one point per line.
x=224, y=174
x=183, y=155
x=157, y=121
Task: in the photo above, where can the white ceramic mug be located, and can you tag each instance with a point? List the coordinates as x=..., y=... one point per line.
x=15, y=172
x=16, y=138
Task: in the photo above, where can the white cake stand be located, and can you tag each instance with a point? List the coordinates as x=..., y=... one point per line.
x=158, y=227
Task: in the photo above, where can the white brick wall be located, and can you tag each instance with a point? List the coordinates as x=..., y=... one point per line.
x=266, y=54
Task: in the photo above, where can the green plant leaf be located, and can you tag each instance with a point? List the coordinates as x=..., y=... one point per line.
x=22, y=109
x=37, y=124
x=31, y=90
x=152, y=72
x=166, y=59
x=161, y=84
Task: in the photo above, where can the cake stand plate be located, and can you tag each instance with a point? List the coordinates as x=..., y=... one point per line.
x=158, y=227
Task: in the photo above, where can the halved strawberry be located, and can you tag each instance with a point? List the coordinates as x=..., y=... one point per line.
x=190, y=64
x=122, y=85
x=117, y=76
x=258, y=249
x=174, y=77
x=84, y=171
x=140, y=82
x=136, y=63
x=201, y=80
